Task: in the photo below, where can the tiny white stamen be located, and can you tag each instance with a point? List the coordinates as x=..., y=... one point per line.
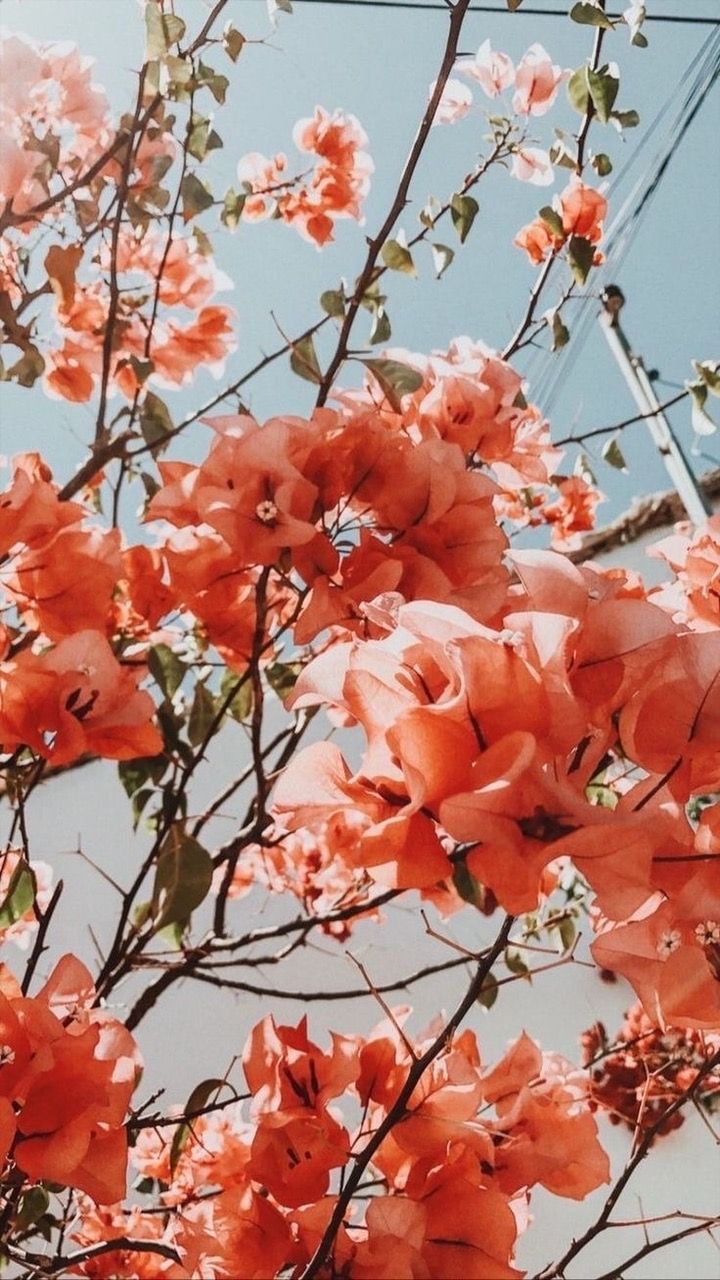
x=266, y=511
x=668, y=942
x=707, y=933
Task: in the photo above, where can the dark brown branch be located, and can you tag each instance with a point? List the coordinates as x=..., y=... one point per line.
x=161, y=1122
x=590, y=112
x=54, y=1266
x=353, y=993
x=39, y=946
x=620, y=426
x=367, y=275
x=134, y=137
x=653, y=1245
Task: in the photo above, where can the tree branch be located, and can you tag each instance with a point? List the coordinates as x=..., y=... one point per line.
x=396, y=1112
x=367, y=275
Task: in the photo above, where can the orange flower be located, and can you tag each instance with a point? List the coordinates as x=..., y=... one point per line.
x=30, y=509
x=536, y=82
x=75, y=698
x=537, y=240
x=70, y=1072
x=583, y=210
x=671, y=955
x=550, y=1137
x=66, y=584
x=573, y=513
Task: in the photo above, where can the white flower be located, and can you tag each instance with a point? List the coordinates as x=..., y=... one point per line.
x=668, y=942
x=708, y=932
x=266, y=511
x=531, y=164
x=455, y=102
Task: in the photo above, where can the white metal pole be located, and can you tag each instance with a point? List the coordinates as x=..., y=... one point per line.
x=631, y=365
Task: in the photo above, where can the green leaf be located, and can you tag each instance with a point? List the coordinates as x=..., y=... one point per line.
x=202, y=714
x=372, y=297
x=134, y=774
x=515, y=963
x=233, y=42
x=634, y=16
x=155, y=41
x=173, y=934
x=590, y=16
x=583, y=469
x=561, y=154
x=381, y=329
x=141, y=368
x=212, y=80
x=183, y=877
x=241, y=704
x=552, y=220
x=603, y=85
x=34, y=1203
x=580, y=256
x=282, y=677
x=332, y=302
x=20, y=895
x=488, y=992
x=463, y=211
x=396, y=380
x=155, y=422
x=560, y=332
x=578, y=90
x=195, y=196
x=233, y=206
x=613, y=455
x=625, y=119
x=161, y=30
x=567, y=933
x=138, y=804
x=398, y=257
x=304, y=361
x=27, y=369
x=428, y=215
x=600, y=795
x=203, y=243
x=602, y=164
x=442, y=257
x=170, y=726
x=166, y=669
x=141, y=914
x=173, y=27
x=199, y=1097
x=468, y=888
x=202, y=137
x=702, y=423
x=708, y=371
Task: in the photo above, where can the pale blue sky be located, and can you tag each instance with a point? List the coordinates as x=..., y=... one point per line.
x=379, y=65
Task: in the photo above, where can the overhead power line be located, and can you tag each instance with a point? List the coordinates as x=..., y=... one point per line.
x=531, y=11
